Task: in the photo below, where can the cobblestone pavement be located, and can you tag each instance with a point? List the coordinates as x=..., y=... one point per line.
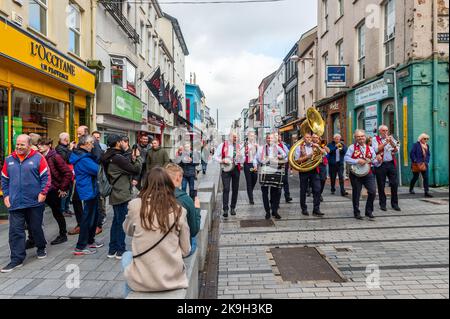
x=411, y=249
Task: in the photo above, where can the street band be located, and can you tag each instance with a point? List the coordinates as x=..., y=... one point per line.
x=370, y=165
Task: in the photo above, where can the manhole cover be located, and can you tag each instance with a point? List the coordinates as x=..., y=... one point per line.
x=257, y=223
x=304, y=264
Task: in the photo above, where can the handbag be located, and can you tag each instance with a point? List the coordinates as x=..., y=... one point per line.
x=154, y=246
x=419, y=167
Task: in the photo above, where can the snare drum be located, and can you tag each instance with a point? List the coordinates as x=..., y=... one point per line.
x=270, y=176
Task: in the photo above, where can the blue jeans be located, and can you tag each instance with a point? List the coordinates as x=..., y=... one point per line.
x=88, y=223
x=117, y=242
x=191, y=181
x=34, y=217
x=65, y=201
x=127, y=259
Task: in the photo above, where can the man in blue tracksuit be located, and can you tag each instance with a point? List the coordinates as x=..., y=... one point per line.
x=86, y=169
x=25, y=182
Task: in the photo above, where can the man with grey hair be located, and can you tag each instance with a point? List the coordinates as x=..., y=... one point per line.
x=25, y=184
x=86, y=169
x=387, y=148
x=336, y=163
x=361, y=154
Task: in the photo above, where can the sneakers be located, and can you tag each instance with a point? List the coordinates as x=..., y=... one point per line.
x=96, y=245
x=83, y=252
x=29, y=244
x=74, y=231
x=41, y=254
x=111, y=255
x=98, y=230
x=10, y=267
x=59, y=240
x=119, y=255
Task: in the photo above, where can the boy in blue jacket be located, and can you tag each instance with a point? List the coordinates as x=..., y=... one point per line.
x=86, y=170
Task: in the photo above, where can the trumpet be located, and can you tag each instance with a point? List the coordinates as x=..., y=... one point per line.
x=394, y=143
x=340, y=147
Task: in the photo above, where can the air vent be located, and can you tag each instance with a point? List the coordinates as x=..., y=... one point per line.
x=17, y=18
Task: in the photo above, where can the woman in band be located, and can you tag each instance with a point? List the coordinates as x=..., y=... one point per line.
x=362, y=154
x=270, y=154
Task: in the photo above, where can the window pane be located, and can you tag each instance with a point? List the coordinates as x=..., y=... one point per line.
x=74, y=42
x=131, y=78
x=37, y=17
x=117, y=75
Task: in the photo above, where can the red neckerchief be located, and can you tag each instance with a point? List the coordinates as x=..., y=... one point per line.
x=225, y=151
x=382, y=152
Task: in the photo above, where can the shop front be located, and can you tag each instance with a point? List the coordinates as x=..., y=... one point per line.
x=119, y=113
x=334, y=113
x=42, y=90
x=289, y=129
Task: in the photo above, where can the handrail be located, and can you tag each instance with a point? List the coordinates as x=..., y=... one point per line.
x=114, y=9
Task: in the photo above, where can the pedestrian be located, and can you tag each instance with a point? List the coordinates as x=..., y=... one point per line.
x=160, y=237
x=387, y=148
x=143, y=146
x=64, y=148
x=86, y=169
x=61, y=176
x=98, y=136
x=119, y=171
x=205, y=157
x=420, y=158
x=188, y=161
x=34, y=141
x=25, y=184
x=336, y=163
x=156, y=157
x=192, y=207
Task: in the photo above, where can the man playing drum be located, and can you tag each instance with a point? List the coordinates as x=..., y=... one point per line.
x=361, y=157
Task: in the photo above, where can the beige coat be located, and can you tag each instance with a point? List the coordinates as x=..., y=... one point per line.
x=162, y=268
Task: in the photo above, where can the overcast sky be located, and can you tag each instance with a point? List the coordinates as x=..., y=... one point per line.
x=234, y=46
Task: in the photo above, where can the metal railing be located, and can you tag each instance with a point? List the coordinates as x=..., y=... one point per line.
x=115, y=10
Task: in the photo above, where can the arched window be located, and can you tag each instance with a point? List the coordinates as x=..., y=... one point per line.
x=360, y=119
x=336, y=124
x=388, y=117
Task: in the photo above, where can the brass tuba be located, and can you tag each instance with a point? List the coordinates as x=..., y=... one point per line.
x=313, y=124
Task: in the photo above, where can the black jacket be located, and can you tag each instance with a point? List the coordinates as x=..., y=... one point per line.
x=64, y=151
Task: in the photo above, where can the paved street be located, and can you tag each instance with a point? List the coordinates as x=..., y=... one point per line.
x=410, y=247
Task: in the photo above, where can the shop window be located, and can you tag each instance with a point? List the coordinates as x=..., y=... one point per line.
x=360, y=120
x=389, y=32
x=3, y=124
x=38, y=15
x=36, y=114
x=388, y=117
x=362, y=50
x=336, y=124
x=74, y=21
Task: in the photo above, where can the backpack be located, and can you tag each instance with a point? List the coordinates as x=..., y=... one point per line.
x=104, y=186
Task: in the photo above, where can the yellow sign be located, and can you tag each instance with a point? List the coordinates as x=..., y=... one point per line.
x=22, y=47
x=405, y=131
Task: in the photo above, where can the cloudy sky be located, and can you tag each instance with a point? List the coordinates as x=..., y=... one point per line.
x=234, y=46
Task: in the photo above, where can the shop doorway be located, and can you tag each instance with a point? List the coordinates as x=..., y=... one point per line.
x=336, y=122
x=388, y=117
x=361, y=120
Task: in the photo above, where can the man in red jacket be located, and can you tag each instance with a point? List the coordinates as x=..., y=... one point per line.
x=61, y=176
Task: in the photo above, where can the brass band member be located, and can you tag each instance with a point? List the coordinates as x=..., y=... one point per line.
x=362, y=154
x=228, y=155
x=251, y=174
x=336, y=163
x=285, y=147
x=270, y=154
x=304, y=153
x=387, y=148
x=322, y=166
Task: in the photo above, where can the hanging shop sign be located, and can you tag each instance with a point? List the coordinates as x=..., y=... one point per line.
x=336, y=76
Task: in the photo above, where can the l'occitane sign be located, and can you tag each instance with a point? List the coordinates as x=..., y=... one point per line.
x=22, y=47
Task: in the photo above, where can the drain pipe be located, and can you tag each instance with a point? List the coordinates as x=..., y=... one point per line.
x=435, y=94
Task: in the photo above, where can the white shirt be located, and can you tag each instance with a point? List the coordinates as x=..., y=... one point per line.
x=308, y=149
x=218, y=154
x=387, y=157
x=351, y=149
x=338, y=155
x=252, y=150
x=268, y=153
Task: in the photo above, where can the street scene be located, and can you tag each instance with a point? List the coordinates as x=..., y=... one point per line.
x=224, y=150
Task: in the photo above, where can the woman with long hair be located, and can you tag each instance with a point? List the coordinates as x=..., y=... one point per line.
x=161, y=237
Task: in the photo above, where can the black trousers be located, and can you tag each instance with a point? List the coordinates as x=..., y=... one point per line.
x=230, y=180
x=54, y=202
x=272, y=204
x=322, y=177
x=337, y=169
x=426, y=185
x=306, y=179
x=287, y=192
x=357, y=183
x=77, y=206
x=251, y=179
x=388, y=170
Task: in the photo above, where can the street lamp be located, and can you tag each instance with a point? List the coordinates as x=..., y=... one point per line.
x=296, y=58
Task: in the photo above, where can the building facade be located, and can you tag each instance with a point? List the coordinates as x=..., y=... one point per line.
x=274, y=106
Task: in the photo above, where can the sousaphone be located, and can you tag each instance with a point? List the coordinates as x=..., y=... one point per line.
x=314, y=124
